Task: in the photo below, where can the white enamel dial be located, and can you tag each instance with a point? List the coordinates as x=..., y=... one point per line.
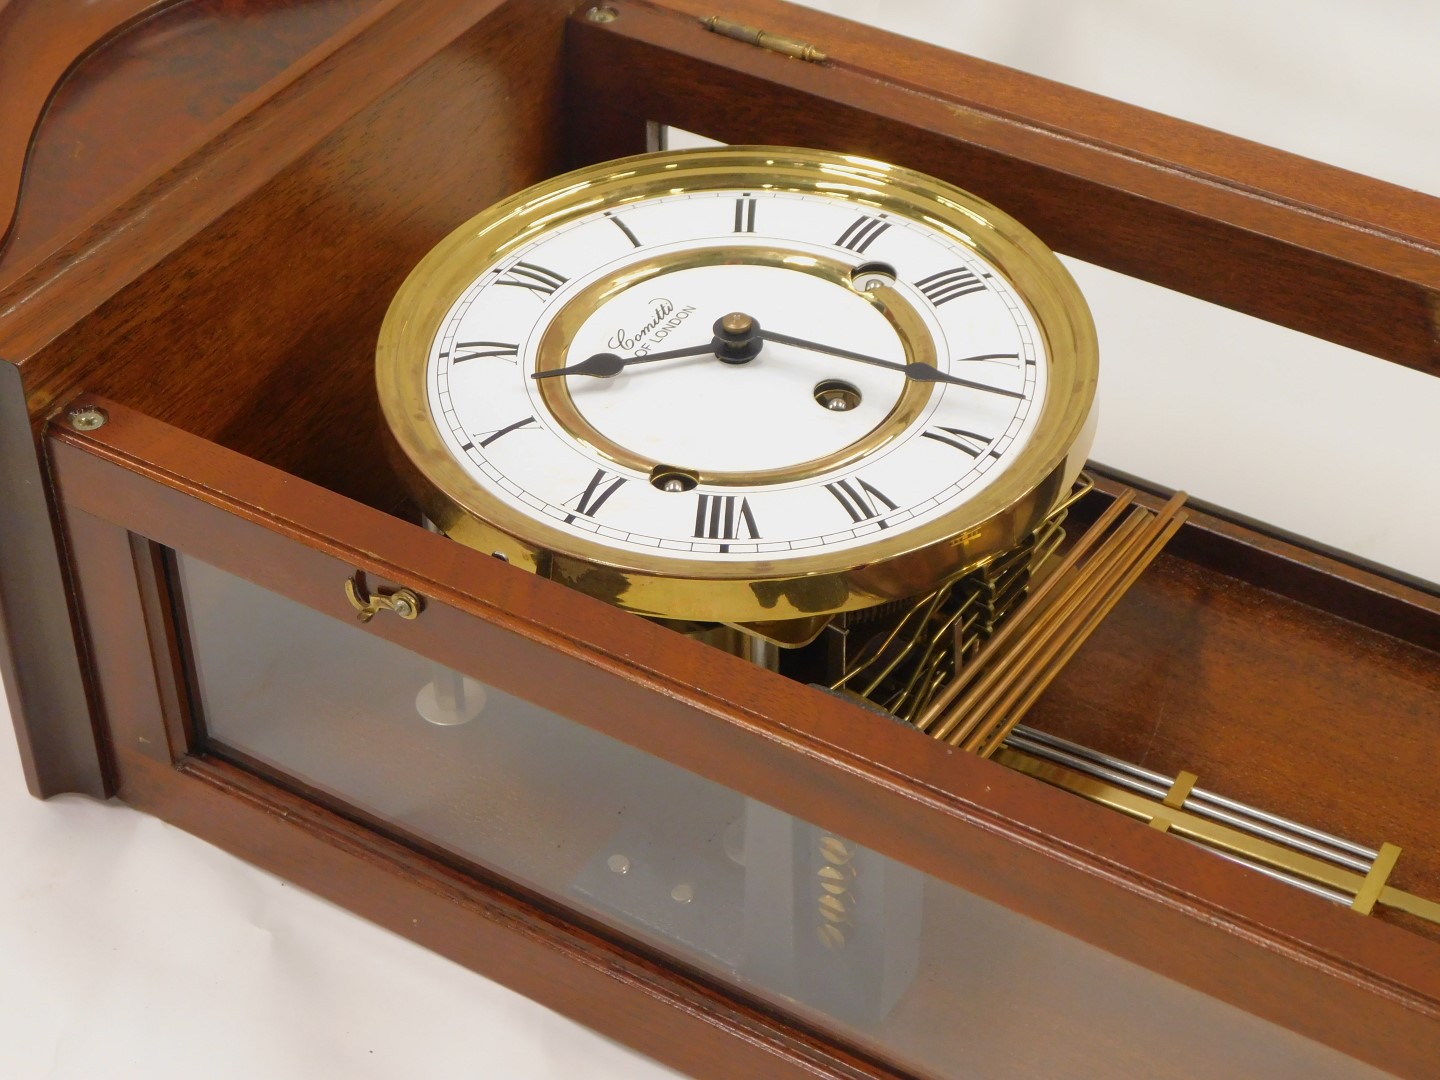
x=765, y=448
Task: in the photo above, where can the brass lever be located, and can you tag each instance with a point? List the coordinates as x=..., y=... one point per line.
x=402, y=602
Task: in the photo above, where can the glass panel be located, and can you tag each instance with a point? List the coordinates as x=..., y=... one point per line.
x=914, y=969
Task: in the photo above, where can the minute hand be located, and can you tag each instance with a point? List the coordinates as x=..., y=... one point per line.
x=915, y=371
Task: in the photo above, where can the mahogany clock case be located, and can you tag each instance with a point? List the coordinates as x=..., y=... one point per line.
x=327, y=163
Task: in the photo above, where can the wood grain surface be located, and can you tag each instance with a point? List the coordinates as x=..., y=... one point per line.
x=360, y=181
x=200, y=337
x=116, y=92
x=138, y=84
x=43, y=40
x=1305, y=245
x=1299, y=961
x=1270, y=702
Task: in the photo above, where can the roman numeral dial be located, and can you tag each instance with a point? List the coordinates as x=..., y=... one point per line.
x=896, y=376
x=619, y=223
x=506, y=430
x=950, y=285
x=724, y=517
x=481, y=350
x=861, y=500
x=968, y=442
x=863, y=232
x=537, y=279
x=596, y=494
x=745, y=214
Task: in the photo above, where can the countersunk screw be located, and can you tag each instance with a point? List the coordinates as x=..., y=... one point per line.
x=404, y=608
x=602, y=14
x=87, y=419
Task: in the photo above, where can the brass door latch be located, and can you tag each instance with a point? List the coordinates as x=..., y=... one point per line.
x=402, y=602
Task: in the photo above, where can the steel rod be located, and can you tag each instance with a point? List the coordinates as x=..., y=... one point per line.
x=1159, y=787
x=1324, y=891
x=1202, y=796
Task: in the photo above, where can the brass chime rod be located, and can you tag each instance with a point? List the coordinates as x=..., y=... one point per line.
x=1027, y=654
x=966, y=675
x=1004, y=670
x=1077, y=630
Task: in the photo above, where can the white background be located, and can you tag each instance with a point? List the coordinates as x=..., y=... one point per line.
x=129, y=949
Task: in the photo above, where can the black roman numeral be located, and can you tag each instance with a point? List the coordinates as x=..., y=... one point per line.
x=602, y=485
x=745, y=214
x=860, y=500
x=949, y=285
x=720, y=517
x=481, y=349
x=862, y=233
x=623, y=228
x=525, y=275
x=506, y=430
x=972, y=442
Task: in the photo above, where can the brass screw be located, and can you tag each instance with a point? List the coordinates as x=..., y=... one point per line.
x=88, y=419
x=602, y=14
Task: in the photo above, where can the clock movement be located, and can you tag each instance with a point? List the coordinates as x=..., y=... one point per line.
x=413, y=626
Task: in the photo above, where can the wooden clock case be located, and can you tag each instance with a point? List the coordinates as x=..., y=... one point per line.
x=214, y=288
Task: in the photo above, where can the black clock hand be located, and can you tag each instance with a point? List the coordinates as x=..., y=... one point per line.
x=738, y=338
x=606, y=365
x=915, y=371
x=736, y=341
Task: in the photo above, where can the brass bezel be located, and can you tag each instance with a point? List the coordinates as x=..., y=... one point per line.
x=898, y=563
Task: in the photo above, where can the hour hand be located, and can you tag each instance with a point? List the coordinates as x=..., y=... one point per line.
x=608, y=365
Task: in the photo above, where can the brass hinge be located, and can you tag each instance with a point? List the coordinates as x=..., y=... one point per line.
x=753, y=35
